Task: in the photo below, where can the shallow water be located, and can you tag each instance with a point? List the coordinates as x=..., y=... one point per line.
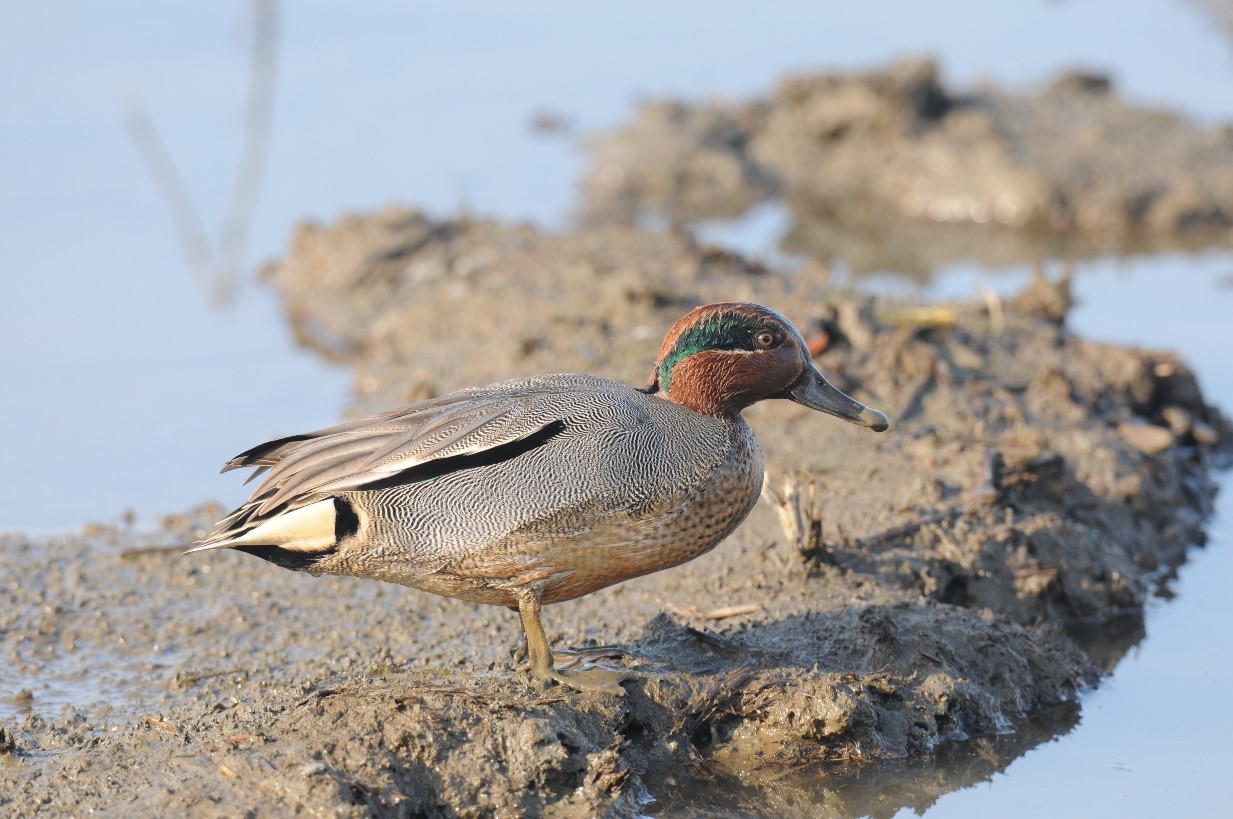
x=125, y=389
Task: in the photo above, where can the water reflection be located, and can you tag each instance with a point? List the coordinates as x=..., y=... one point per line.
x=855, y=789
x=1109, y=640
x=917, y=251
x=883, y=788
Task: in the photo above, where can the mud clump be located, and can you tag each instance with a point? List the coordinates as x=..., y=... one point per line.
x=895, y=593
x=893, y=168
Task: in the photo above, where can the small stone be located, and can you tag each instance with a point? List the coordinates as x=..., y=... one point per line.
x=1165, y=369
x=1204, y=434
x=1082, y=82
x=1178, y=419
x=1148, y=439
x=818, y=342
x=312, y=769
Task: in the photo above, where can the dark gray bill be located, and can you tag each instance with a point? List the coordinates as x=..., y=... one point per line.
x=816, y=392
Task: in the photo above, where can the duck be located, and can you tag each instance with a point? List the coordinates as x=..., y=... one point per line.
x=542, y=489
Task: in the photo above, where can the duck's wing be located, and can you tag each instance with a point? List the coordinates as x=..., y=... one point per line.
x=431, y=437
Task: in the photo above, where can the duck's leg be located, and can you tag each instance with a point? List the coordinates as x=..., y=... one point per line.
x=539, y=655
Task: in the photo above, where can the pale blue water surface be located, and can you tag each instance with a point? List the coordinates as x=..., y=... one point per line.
x=123, y=388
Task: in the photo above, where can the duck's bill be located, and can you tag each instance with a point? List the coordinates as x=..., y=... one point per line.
x=817, y=393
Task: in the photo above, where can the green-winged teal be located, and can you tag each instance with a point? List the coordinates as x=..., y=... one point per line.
x=540, y=489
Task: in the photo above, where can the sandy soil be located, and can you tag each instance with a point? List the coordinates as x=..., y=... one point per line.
x=895, y=594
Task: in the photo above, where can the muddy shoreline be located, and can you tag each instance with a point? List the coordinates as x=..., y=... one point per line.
x=891, y=596
x=902, y=615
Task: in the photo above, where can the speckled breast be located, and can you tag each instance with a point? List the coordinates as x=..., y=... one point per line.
x=675, y=529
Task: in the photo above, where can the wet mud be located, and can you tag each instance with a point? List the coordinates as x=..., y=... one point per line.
x=901, y=616
x=895, y=169
x=903, y=599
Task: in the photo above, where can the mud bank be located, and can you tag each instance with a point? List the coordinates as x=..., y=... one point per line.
x=895, y=169
x=894, y=595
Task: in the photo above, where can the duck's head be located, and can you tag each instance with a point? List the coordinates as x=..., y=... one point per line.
x=720, y=358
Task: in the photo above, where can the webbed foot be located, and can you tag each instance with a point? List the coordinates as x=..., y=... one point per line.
x=596, y=679
x=540, y=662
x=582, y=657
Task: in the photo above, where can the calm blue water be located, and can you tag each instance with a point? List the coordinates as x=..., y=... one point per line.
x=122, y=388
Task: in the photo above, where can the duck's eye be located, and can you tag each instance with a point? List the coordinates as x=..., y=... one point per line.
x=765, y=339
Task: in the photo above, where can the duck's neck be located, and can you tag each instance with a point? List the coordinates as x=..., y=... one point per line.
x=710, y=383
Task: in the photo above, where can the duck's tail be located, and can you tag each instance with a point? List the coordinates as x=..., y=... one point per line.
x=295, y=538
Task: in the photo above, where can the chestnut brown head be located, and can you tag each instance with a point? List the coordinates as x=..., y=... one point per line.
x=720, y=358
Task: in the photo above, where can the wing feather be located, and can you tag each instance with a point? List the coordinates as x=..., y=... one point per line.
x=303, y=468
x=440, y=436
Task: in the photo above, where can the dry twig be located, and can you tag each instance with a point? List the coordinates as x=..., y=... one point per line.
x=720, y=613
